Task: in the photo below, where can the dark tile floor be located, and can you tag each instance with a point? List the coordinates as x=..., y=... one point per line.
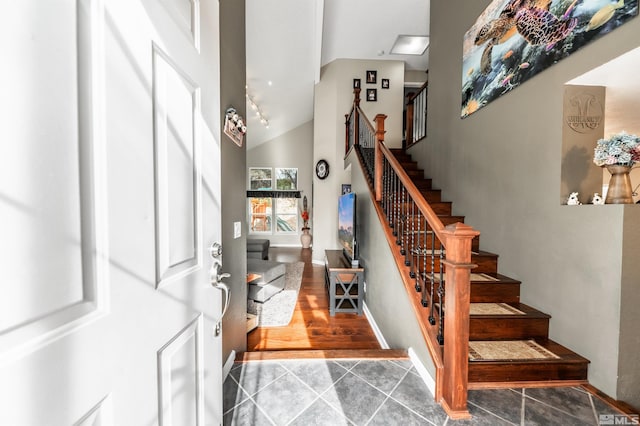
x=390, y=392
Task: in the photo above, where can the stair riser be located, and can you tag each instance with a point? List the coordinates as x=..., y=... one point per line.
x=490, y=292
x=432, y=195
x=507, y=327
x=409, y=165
x=415, y=173
x=486, y=264
x=423, y=183
x=480, y=371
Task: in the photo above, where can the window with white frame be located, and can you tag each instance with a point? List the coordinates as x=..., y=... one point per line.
x=273, y=211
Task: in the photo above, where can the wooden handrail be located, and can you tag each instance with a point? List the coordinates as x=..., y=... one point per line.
x=411, y=97
x=414, y=192
x=410, y=119
x=450, y=359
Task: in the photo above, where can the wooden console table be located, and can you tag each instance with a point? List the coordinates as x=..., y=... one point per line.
x=345, y=284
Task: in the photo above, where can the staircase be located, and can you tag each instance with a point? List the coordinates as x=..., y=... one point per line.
x=508, y=340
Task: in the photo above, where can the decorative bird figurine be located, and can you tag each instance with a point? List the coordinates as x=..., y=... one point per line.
x=597, y=199
x=573, y=200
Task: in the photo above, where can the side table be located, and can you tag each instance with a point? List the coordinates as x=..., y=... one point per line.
x=345, y=284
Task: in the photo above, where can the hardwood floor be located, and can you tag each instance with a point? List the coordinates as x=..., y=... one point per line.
x=311, y=327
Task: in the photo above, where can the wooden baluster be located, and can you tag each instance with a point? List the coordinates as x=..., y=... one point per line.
x=356, y=117
x=424, y=264
x=432, y=280
x=418, y=250
x=412, y=244
x=400, y=237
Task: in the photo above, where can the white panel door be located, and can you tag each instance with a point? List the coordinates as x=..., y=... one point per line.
x=109, y=202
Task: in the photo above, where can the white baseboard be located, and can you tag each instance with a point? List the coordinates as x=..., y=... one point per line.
x=226, y=369
x=421, y=369
x=317, y=262
x=419, y=366
x=375, y=328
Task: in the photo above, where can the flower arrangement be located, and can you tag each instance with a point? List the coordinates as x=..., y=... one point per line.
x=619, y=149
x=304, y=214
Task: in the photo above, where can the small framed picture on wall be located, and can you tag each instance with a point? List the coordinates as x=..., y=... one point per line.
x=356, y=83
x=385, y=83
x=372, y=77
x=372, y=95
x=346, y=188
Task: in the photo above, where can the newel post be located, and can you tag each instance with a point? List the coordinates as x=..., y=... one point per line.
x=458, y=265
x=378, y=155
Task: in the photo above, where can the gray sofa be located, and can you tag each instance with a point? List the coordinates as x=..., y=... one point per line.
x=270, y=281
x=258, y=248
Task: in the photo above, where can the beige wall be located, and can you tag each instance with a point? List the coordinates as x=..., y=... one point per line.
x=501, y=167
x=333, y=99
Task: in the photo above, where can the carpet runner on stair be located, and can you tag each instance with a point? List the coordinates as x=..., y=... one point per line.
x=508, y=350
x=493, y=309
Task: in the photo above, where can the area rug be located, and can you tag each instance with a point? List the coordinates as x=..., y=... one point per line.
x=277, y=311
x=508, y=350
x=493, y=309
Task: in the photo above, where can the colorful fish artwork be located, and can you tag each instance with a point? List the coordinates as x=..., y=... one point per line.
x=603, y=15
x=513, y=40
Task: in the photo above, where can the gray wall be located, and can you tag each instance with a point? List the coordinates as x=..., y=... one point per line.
x=628, y=371
x=232, y=83
x=292, y=149
x=501, y=167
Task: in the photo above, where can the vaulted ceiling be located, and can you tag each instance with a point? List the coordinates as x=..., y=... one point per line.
x=288, y=41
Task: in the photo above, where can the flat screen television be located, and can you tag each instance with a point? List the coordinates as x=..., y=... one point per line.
x=347, y=225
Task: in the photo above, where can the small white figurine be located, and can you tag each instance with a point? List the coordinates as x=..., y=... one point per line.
x=597, y=199
x=573, y=200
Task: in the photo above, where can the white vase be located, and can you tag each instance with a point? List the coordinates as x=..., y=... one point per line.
x=305, y=238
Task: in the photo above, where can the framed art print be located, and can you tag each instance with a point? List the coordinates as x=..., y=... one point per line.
x=372, y=77
x=372, y=95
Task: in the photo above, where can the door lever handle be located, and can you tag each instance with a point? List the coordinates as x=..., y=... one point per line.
x=217, y=329
x=215, y=276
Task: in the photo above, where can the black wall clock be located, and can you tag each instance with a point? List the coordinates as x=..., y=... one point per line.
x=322, y=169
